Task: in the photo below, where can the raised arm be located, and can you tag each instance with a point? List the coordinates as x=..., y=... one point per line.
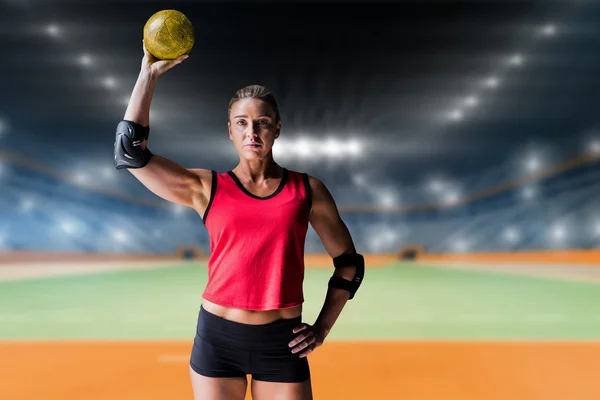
x=348, y=274
x=163, y=177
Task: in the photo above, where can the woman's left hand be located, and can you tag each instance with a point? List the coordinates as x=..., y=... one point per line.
x=310, y=337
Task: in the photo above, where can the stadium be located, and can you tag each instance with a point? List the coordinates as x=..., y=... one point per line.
x=461, y=142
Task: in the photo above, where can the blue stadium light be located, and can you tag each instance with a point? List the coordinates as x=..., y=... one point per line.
x=597, y=228
x=451, y=198
x=516, y=60
x=359, y=180
x=109, y=82
x=108, y=172
x=119, y=236
x=388, y=199
x=558, y=232
x=27, y=205
x=461, y=245
x=533, y=164
x=436, y=186
x=471, y=101
x=81, y=178
x=594, y=146
x=332, y=147
x=456, y=115
x=125, y=100
x=529, y=193
x=68, y=227
x=178, y=209
x=511, y=235
x=53, y=30
x=85, y=60
x=492, y=82
x=548, y=30
x=303, y=148
x=354, y=147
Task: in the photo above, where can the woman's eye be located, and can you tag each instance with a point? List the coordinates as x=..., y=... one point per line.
x=241, y=122
x=263, y=122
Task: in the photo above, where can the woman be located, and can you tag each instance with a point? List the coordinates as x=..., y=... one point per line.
x=257, y=216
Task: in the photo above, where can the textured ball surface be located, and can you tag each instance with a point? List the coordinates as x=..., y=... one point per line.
x=168, y=34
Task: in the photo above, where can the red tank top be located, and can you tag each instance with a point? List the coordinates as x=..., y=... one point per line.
x=257, y=243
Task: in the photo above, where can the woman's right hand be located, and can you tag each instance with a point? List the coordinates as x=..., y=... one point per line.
x=158, y=67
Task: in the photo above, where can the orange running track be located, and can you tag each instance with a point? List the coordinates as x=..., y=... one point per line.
x=341, y=370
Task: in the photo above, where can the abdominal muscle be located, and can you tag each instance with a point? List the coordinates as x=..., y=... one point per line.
x=251, y=317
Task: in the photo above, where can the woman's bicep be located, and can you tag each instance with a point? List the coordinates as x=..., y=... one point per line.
x=170, y=180
x=327, y=222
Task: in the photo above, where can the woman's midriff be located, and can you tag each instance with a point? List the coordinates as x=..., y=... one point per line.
x=251, y=317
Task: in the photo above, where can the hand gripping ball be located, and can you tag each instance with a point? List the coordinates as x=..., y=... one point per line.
x=169, y=34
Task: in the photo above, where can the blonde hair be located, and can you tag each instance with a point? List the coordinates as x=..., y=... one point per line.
x=256, y=92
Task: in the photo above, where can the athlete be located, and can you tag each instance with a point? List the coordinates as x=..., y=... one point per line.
x=257, y=216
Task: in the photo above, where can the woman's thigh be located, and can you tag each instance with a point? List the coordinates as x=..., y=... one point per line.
x=206, y=388
x=262, y=390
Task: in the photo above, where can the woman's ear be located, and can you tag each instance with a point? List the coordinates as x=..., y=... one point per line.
x=278, y=129
x=229, y=129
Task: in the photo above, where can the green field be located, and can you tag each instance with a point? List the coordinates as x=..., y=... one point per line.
x=401, y=301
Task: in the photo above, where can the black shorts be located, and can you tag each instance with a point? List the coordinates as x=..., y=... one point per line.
x=224, y=348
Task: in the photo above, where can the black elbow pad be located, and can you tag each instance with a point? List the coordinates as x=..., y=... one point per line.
x=349, y=260
x=128, y=153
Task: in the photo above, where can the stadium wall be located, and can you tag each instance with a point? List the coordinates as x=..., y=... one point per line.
x=564, y=257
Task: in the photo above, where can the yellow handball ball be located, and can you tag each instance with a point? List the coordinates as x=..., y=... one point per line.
x=169, y=34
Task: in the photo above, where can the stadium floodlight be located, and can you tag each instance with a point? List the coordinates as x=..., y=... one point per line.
x=461, y=245
x=516, y=60
x=68, y=227
x=332, y=147
x=511, y=235
x=53, y=30
x=436, y=186
x=119, y=236
x=108, y=172
x=492, y=82
x=177, y=209
x=85, y=60
x=81, y=178
x=451, y=198
x=359, y=180
x=594, y=146
x=548, y=30
x=597, y=228
x=471, y=101
x=529, y=192
x=455, y=115
x=109, y=82
x=558, y=232
x=27, y=204
x=354, y=147
x=388, y=199
x=303, y=148
x=533, y=163
x=281, y=148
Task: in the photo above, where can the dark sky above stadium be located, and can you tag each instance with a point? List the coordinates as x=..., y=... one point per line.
x=424, y=87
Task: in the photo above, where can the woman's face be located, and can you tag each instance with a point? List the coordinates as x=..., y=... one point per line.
x=252, y=128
